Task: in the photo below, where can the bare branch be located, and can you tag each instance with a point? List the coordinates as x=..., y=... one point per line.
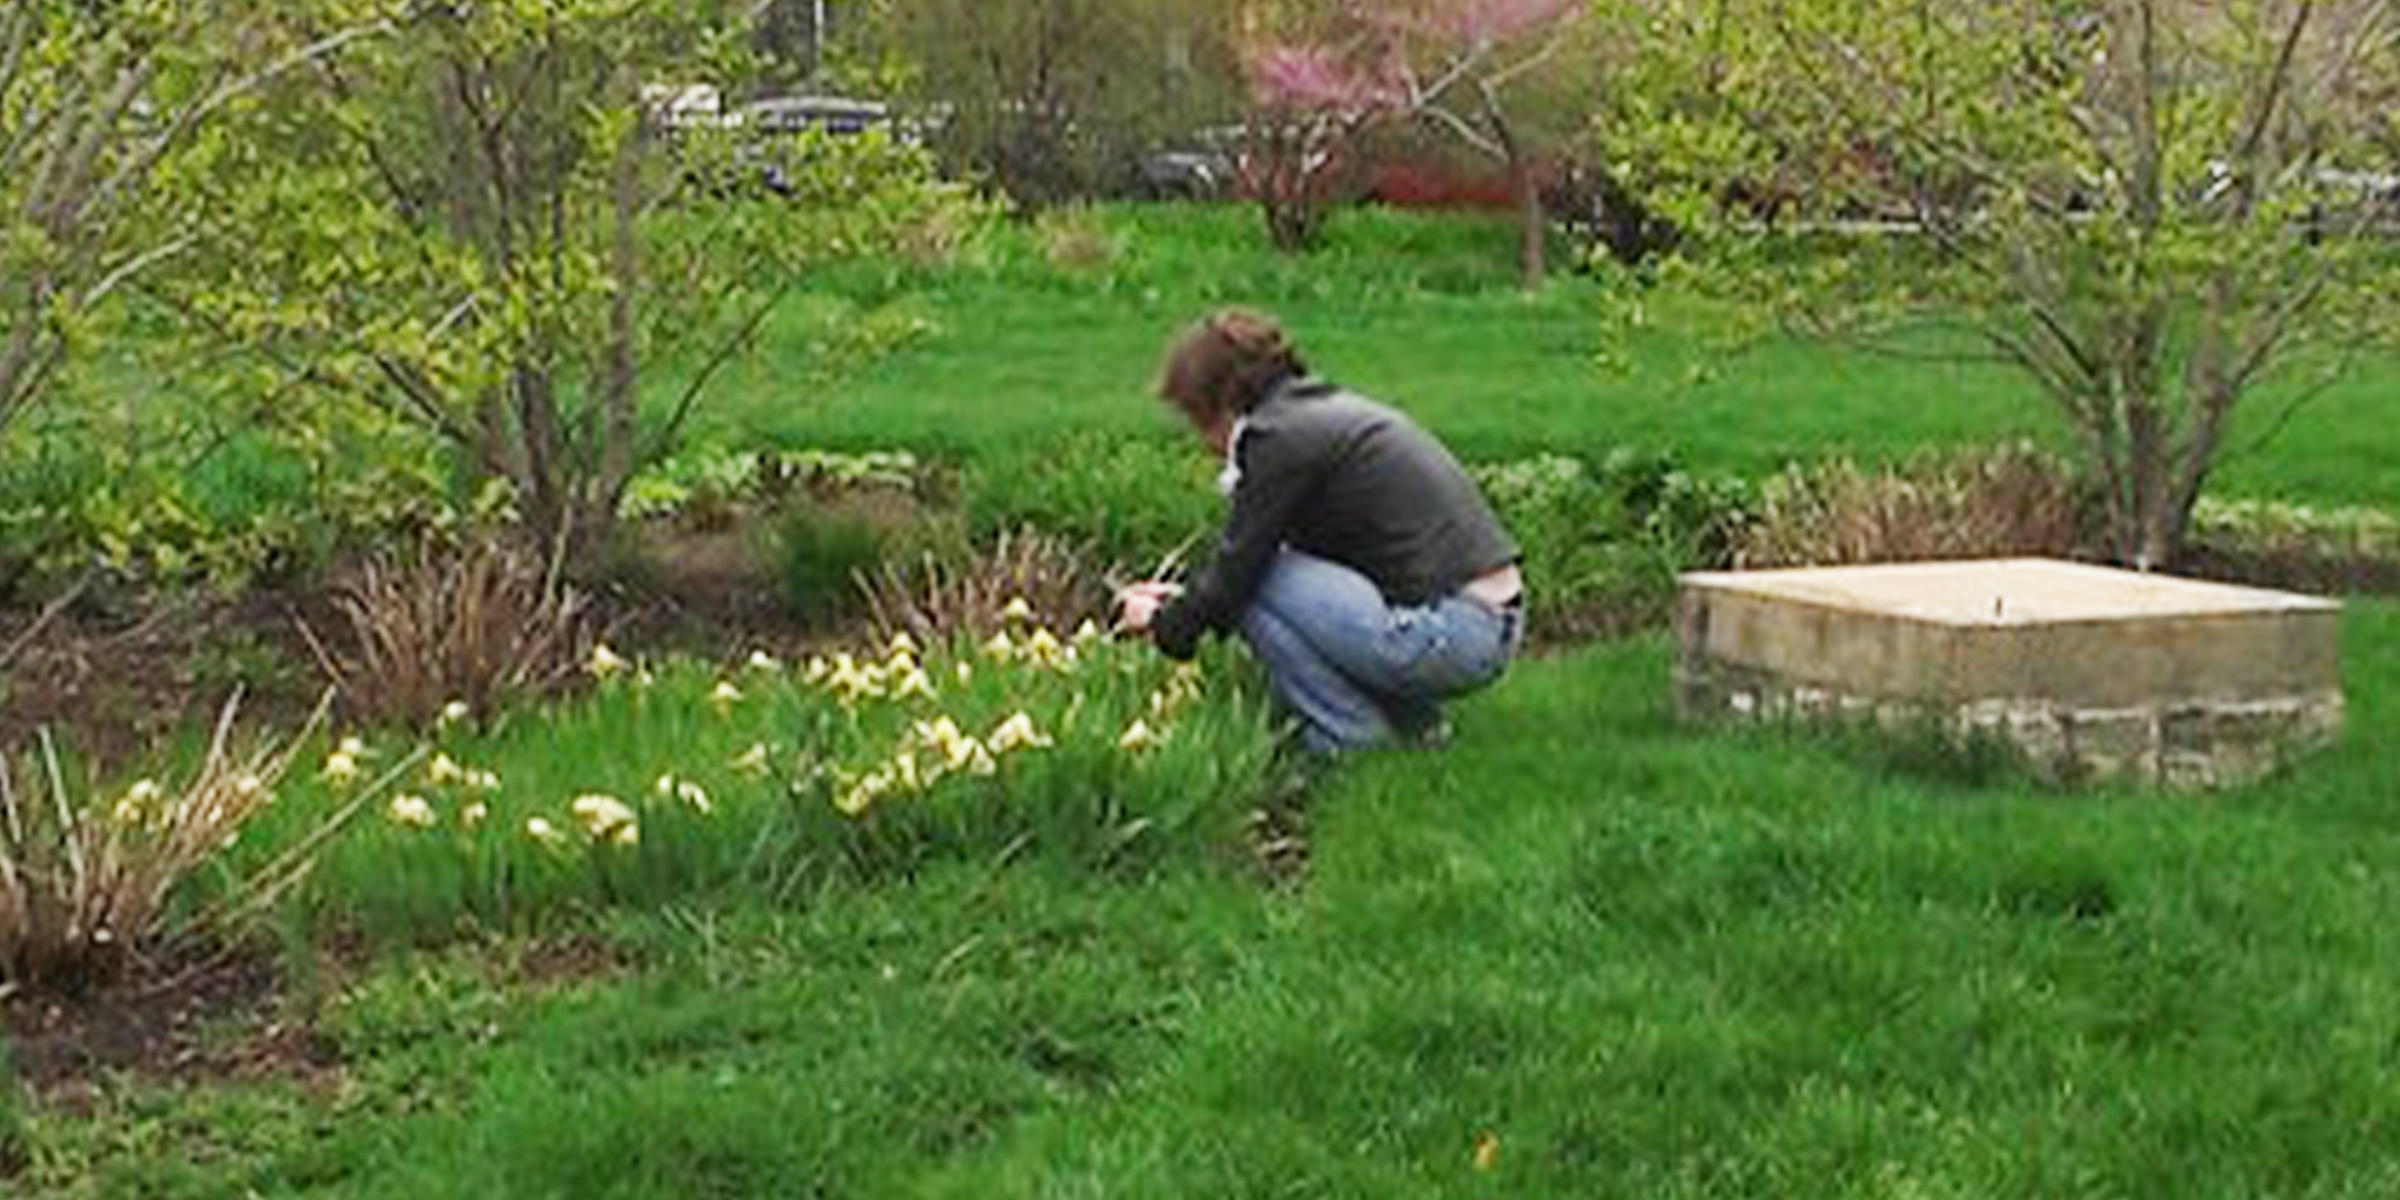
x=134, y=266
x=723, y=356
x=1464, y=129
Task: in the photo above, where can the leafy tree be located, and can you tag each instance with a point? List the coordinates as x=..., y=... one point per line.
x=2154, y=208
x=484, y=229
x=94, y=99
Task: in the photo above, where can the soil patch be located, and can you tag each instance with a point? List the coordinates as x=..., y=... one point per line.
x=204, y=1019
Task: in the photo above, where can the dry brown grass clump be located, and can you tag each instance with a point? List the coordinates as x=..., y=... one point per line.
x=477, y=623
x=86, y=880
x=932, y=598
x=2006, y=501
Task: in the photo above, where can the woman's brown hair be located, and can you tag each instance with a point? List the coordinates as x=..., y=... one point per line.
x=1225, y=364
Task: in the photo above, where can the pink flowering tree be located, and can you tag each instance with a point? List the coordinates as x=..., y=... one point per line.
x=1311, y=106
x=1447, y=62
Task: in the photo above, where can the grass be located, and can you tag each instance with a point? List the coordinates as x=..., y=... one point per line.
x=1017, y=352
x=1620, y=957
x=1584, y=952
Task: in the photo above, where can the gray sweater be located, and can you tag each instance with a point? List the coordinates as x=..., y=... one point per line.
x=1335, y=475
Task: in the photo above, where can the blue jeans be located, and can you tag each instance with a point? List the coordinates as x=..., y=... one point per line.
x=1359, y=671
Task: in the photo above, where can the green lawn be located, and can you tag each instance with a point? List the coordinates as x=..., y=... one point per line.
x=1584, y=952
x=1633, y=959
x=1422, y=311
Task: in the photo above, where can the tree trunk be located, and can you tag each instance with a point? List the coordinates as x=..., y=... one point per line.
x=1532, y=223
x=620, y=380
x=1533, y=226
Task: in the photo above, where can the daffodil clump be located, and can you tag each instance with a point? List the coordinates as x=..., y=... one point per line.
x=1071, y=738
x=665, y=777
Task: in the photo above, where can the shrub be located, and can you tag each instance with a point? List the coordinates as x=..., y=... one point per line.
x=2283, y=545
x=478, y=623
x=1602, y=545
x=1130, y=501
x=2001, y=501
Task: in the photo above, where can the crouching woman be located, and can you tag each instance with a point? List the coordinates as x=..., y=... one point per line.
x=1360, y=562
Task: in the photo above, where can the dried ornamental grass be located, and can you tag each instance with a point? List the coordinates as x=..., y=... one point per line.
x=473, y=627
x=86, y=881
x=1047, y=578
x=2004, y=501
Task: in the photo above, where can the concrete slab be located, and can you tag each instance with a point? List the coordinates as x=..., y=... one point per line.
x=2090, y=670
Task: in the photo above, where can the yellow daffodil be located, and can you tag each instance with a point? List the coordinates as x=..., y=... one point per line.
x=903, y=644
x=691, y=794
x=411, y=812
x=444, y=770
x=915, y=684
x=340, y=768
x=1138, y=737
x=482, y=781
x=966, y=754
x=627, y=834
x=1043, y=647
x=472, y=815
x=1088, y=632
x=965, y=672
x=353, y=746
x=1015, y=733
x=760, y=660
x=817, y=670
x=900, y=663
x=600, y=815
x=1017, y=610
x=980, y=760
x=138, y=799
x=454, y=712
x=1000, y=648
x=858, y=797
x=904, y=772
x=606, y=663
x=725, y=695
x=544, y=832
x=851, y=682
x=752, y=761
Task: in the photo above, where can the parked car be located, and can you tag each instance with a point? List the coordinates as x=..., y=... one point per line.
x=833, y=114
x=1203, y=165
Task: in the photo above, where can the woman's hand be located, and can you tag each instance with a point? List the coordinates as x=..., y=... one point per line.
x=1139, y=603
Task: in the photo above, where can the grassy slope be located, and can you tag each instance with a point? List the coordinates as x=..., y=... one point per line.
x=1422, y=311
x=1648, y=962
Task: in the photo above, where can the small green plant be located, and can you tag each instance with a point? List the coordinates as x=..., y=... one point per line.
x=1132, y=501
x=821, y=554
